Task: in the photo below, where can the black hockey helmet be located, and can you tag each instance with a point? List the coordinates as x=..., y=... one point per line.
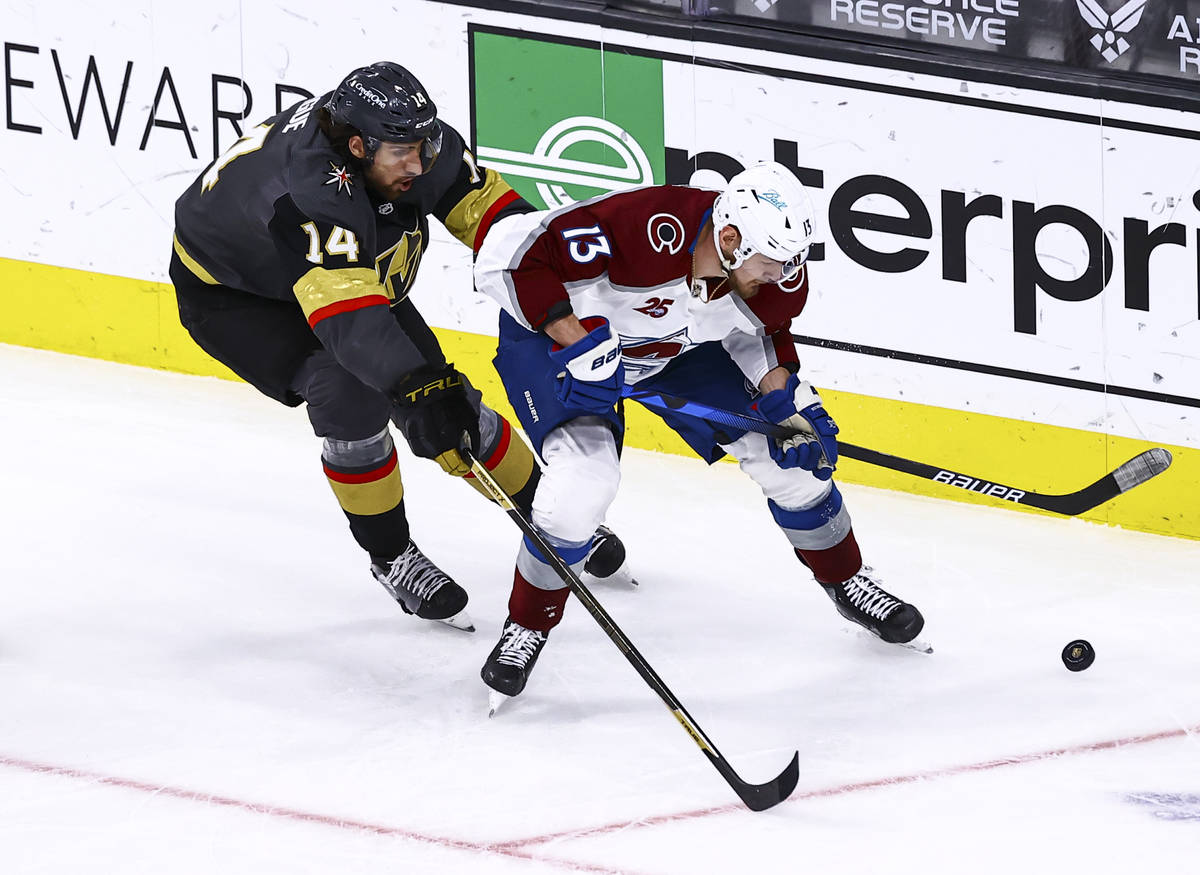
x=385, y=102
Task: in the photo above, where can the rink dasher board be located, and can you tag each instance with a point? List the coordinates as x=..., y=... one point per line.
x=882, y=150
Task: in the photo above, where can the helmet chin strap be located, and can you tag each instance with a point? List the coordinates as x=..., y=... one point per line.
x=739, y=257
x=370, y=147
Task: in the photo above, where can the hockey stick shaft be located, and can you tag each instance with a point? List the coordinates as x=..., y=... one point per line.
x=1136, y=471
x=757, y=797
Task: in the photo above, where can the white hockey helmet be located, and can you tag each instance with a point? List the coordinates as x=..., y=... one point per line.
x=772, y=211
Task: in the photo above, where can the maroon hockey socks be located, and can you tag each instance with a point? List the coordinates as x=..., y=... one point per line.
x=533, y=608
x=835, y=565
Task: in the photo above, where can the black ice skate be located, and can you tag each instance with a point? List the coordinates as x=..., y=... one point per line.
x=510, y=662
x=423, y=589
x=606, y=559
x=862, y=600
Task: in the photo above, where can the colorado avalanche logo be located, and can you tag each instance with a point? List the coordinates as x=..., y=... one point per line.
x=796, y=283
x=644, y=355
x=665, y=232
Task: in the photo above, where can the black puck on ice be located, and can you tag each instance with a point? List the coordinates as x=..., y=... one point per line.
x=1078, y=655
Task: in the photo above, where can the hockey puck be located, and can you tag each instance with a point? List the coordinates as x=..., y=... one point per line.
x=1078, y=655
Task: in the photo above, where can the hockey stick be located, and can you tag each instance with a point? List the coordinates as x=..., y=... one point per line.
x=1136, y=471
x=758, y=797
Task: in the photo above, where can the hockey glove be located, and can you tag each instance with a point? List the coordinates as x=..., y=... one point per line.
x=814, y=446
x=436, y=417
x=592, y=374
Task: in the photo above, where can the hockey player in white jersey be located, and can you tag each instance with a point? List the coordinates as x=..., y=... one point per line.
x=687, y=292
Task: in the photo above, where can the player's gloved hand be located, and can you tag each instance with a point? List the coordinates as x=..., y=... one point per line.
x=814, y=446
x=592, y=373
x=436, y=417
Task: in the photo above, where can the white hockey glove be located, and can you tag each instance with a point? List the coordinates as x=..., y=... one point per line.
x=592, y=373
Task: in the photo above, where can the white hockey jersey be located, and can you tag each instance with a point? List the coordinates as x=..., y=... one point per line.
x=627, y=256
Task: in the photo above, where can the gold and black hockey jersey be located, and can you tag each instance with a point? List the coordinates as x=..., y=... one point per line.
x=281, y=215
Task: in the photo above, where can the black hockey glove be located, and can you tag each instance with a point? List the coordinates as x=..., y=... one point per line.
x=434, y=413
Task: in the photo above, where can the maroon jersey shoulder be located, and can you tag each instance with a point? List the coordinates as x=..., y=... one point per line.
x=643, y=234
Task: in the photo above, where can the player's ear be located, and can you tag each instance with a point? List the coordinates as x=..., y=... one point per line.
x=356, y=146
x=731, y=238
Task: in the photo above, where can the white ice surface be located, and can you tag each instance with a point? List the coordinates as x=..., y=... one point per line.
x=198, y=674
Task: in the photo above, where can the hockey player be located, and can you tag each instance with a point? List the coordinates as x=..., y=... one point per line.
x=691, y=293
x=294, y=255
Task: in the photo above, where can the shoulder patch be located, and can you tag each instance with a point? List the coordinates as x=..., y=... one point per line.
x=666, y=233
x=342, y=178
x=796, y=283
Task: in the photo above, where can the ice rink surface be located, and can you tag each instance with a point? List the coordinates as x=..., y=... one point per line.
x=198, y=674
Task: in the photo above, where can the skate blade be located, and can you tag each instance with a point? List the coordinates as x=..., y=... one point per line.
x=623, y=576
x=461, y=620
x=495, y=701
x=917, y=645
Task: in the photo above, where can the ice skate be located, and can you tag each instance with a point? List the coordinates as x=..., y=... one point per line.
x=606, y=559
x=423, y=589
x=862, y=600
x=510, y=662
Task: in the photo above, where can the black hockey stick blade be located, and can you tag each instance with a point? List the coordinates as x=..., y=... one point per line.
x=760, y=797
x=1136, y=471
x=1133, y=473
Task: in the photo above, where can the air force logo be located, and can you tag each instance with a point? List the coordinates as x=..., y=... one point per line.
x=1125, y=19
x=666, y=232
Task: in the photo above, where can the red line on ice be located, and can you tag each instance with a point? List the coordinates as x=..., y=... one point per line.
x=506, y=849
x=843, y=789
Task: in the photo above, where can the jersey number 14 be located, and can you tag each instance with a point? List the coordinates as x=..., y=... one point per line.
x=339, y=242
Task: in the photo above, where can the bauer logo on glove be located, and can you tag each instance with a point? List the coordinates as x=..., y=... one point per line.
x=592, y=374
x=603, y=360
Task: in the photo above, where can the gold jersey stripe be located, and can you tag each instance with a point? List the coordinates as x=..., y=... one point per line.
x=321, y=288
x=464, y=220
x=191, y=263
x=371, y=498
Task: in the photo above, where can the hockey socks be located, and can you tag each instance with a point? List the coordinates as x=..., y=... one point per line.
x=365, y=479
x=534, y=608
x=836, y=564
x=511, y=462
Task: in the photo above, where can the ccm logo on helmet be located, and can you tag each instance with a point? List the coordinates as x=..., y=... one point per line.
x=665, y=232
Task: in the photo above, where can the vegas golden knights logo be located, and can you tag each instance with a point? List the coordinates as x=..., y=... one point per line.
x=397, y=265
